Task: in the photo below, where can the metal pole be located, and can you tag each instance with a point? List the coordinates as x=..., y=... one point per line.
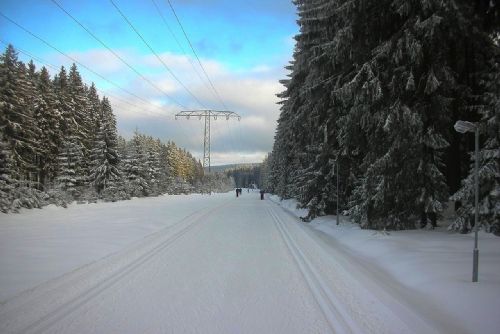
x=338, y=217
x=206, y=148
x=206, y=135
x=206, y=142
x=476, y=213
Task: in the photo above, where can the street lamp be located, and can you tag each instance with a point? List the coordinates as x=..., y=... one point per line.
x=464, y=127
x=336, y=171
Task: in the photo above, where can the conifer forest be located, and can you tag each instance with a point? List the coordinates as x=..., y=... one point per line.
x=373, y=92
x=59, y=143
x=366, y=126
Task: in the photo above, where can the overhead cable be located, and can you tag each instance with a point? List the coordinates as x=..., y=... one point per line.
x=153, y=51
x=196, y=55
x=179, y=44
x=101, y=91
x=119, y=57
x=73, y=59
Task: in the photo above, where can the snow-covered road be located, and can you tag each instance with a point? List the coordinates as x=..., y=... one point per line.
x=235, y=265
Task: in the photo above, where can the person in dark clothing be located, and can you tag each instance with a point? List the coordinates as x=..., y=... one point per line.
x=262, y=194
x=425, y=217
x=237, y=192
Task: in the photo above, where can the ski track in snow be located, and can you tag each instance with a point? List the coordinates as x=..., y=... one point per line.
x=13, y=315
x=338, y=319
x=240, y=266
x=346, y=304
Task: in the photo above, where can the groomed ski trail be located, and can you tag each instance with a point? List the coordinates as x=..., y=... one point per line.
x=19, y=317
x=240, y=266
x=336, y=316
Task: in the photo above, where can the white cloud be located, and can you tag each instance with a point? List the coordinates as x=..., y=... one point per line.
x=261, y=69
x=250, y=93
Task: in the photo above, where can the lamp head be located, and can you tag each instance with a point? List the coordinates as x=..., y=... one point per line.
x=464, y=126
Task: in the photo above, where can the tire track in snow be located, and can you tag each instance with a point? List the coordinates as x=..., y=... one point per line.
x=65, y=308
x=337, y=317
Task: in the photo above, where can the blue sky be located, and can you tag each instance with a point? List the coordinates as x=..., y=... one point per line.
x=243, y=46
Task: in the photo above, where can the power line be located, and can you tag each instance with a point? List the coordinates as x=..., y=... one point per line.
x=101, y=91
x=179, y=44
x=118, y=56
x=196, y=55
x=153, y=51
x=74, y=60
x=207, y=115
x=203, y=69
x=40, y=60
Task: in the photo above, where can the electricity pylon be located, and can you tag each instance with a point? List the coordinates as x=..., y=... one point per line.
x=207, y=114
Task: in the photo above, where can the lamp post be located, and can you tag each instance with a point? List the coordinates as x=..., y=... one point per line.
x=336, y=171
x=464, y=127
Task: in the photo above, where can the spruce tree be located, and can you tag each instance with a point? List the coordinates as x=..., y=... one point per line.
x=135, y=167
x=70, y=157
x=104, y=155
x=49, y=121
x=489, y=157
x=82, y=116
x=376, y=86
x=6, y=183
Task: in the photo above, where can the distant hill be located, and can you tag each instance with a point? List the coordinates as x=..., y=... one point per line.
x=223, y=168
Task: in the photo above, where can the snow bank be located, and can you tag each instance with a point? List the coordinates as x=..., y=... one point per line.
x=431, y=264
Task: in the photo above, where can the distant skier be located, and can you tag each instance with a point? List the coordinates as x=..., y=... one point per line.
x=237, y=192
x=262, y=194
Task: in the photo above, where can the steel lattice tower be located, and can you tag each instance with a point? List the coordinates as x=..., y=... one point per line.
x=207, y=114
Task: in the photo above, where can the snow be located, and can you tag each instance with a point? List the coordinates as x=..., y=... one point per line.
x=428, y=267
x=38, y=245
x=221, y=264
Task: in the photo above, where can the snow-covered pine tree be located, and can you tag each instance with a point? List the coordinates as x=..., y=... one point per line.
x=94, y=112
x=64, y=102
x=306, y=134
x=489, y=157
x=15, y=114
x=400, y=98
x=104, y=166
x=152, y=165
x=47, y=131
x=165, y=171
x=265, y=167
x=33, y=102
x=70, y=157
x=8, y=89
x=135, y=167
x=82, y=115
x=121, y=184
x=283, y=148
x=48, y=120
x=398, y=80
x=172, y=159
x=6, y=183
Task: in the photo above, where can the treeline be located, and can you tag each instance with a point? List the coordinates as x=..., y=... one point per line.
x=374, y=90
x=246, y=175
x=59, y=143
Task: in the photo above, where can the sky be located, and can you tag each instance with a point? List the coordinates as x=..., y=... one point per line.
x=242, y=45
